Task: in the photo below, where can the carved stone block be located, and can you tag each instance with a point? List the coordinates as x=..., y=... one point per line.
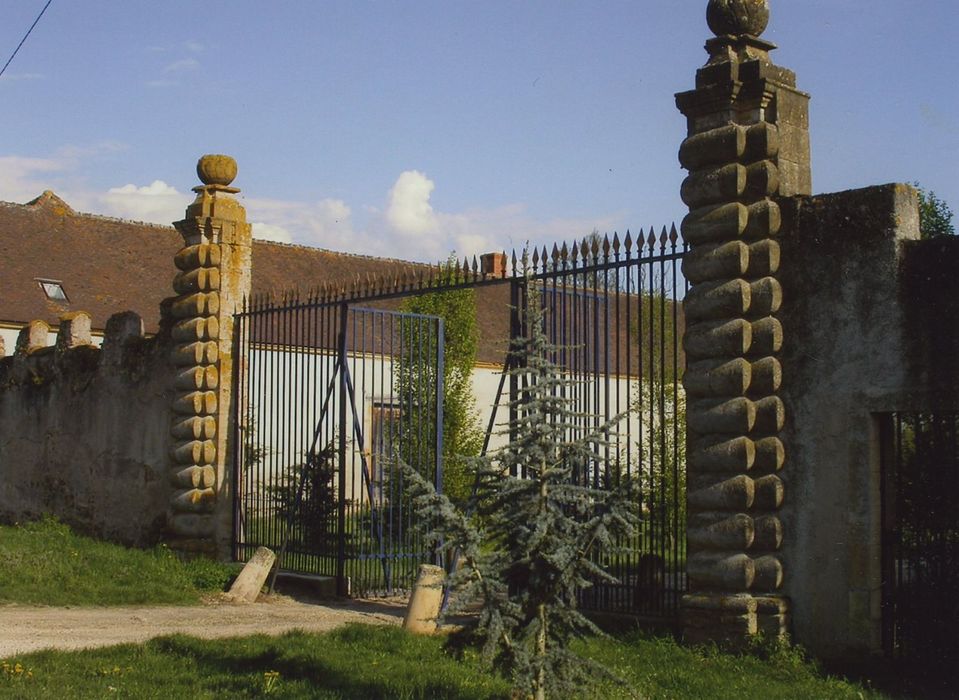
x=715, y=224
x=735, y=493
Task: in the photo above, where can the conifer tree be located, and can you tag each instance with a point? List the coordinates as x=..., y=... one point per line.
x=537, y=534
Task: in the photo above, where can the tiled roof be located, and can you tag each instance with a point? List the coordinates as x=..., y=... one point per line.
x=109, y=265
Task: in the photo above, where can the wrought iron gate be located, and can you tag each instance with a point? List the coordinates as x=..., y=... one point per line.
x=921, y=538
x=327, y=393
x=328, y=388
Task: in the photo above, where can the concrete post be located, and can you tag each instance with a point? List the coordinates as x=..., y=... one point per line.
x=213, y=279
x=425, y=601
x=747, y=145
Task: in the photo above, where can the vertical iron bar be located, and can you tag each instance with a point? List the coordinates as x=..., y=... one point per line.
x=341, y=585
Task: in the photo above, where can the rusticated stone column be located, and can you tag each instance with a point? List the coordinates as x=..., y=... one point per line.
x=747, y=145
x=213, y=279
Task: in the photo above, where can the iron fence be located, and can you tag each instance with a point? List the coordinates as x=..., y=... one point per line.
x=332, y=383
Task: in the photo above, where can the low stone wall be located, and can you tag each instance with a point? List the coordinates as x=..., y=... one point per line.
x=871, y=322
x=84, y=431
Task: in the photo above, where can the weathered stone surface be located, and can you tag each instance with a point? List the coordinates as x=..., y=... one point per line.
x=766, y=376
x=32, y=337
x=730, y=571
x=765, y=297
x=737, y=17
x=722, y=454
x=714, y=186
x=770, y=454
x=199, y=304
x=762, y=179
x=720, y=531
x=768, y=533
x=712, y=262
x=195, y=452
x=735, y=493
x=763, y=258
x=734, y=416
x=247, y=586
x=717, y=378
x=199, y=280
x=725, y=618
x=190, y=525
x=74, y=331
x=122, y=327
x=204, y=377
x=769, y=573
x=203, y=255
x=716, y=300
x=198, y=403
x=199, y=353
x=193, y=500
x=769, y=492
x=216, y=169
x=763, y=219
x=715, y=224
x=425, y=601
x=712, y=339
x=762, y=142
x=770, y=415
x=194, y=477
x=193, y=329
x=717, y=146
x=195, y=427
x=766, y=336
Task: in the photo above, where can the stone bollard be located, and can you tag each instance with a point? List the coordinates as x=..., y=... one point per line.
x=250, y=582
x=426, y=600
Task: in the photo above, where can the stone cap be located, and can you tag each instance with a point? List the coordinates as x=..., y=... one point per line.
x=737, y=17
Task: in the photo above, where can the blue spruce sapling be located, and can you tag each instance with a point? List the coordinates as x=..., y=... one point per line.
x=537, y=533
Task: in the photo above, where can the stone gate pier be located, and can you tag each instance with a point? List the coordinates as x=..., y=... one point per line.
x=811, y=320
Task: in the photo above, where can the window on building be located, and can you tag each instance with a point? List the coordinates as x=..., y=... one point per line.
x=53, y=289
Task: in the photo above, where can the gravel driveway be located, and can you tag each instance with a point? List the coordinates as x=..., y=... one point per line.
x=27, y=628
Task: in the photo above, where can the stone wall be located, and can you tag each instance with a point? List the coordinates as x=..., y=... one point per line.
x=132, y=442
x=871, y=326
x=84, y=431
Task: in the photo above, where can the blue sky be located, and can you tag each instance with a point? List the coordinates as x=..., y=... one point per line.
x=412, y=128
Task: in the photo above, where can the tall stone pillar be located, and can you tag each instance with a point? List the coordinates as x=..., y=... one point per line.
x=213, y=279
x=747, y=145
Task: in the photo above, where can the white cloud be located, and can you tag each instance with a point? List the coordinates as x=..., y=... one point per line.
x=408, y=209
x=184, y=64
x=157, y=202
x=22, y=179
x=408, y=227
x=326, y=223
x=271, y=232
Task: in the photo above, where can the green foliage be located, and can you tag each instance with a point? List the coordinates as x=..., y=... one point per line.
x=45, y=563
x=305, y=496
x=663, y=449
x=462, y=433
x=541, y=530
x=935, y=216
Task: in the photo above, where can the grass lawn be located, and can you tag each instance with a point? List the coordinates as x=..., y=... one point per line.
x=384, y=662
x=45, y=563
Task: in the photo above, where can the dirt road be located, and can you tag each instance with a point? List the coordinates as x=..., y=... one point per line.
x=27, y=628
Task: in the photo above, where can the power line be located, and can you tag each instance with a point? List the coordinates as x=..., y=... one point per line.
x=4, y=69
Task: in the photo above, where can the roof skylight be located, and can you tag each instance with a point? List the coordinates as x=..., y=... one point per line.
x=53, y=289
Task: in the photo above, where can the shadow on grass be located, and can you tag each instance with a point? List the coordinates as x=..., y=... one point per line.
x=356, y=664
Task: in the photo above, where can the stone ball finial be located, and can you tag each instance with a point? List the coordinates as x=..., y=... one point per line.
x=737, y=17
x=216, y=169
